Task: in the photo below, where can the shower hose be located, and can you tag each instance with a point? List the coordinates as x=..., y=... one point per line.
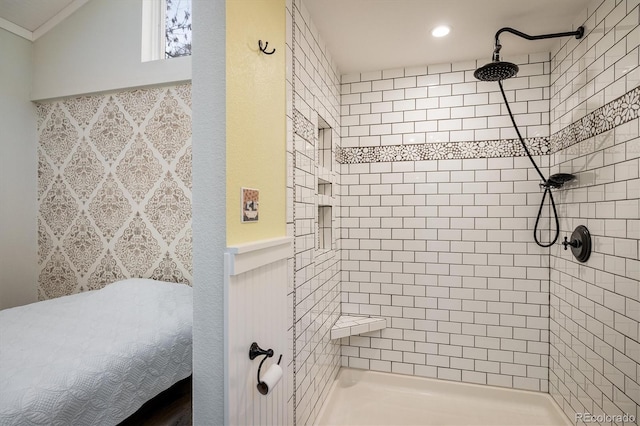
x=546, y=185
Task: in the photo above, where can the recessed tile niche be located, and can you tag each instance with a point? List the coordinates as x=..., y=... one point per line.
x=325, y=231
x=324, y=144
x=324, y=189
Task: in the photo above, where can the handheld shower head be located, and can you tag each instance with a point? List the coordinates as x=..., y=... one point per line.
x=559, y=179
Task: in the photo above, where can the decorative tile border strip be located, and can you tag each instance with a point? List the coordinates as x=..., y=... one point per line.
x=617, y=112
x=303, y=127
x=442, y=151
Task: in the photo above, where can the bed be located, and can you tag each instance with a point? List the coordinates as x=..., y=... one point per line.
x=93, y=358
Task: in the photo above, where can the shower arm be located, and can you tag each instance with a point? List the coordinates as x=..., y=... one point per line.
x=496, y=52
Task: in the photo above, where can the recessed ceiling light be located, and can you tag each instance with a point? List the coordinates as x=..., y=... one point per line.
x=440, y=31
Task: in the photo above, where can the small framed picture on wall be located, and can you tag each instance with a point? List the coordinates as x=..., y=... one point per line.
x=250, y=202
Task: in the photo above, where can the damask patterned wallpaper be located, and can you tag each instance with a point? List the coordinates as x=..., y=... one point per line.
x=114, y=189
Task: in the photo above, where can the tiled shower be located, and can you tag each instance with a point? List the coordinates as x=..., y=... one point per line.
x=432, y=208
x=438, y=204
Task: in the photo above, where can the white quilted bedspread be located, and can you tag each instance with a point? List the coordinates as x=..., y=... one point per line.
x=93, y=358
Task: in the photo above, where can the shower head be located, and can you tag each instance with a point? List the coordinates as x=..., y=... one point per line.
x=496, y=71
x=559, y=179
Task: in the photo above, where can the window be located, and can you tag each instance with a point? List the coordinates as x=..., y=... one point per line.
x=166, y=29
x=177, y=30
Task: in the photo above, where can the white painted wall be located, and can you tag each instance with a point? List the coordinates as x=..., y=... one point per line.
x=97, y=49
x=18, y=175
x=209, y=210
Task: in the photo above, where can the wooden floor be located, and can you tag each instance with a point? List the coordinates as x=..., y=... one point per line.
x=170, y=408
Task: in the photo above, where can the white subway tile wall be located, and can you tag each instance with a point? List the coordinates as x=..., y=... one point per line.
x=314, y=297
x=595, y=306
x=443, y=103
x=443, y=249
x=602, y=66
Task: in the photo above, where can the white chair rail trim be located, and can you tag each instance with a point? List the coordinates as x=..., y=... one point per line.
x=242, y=258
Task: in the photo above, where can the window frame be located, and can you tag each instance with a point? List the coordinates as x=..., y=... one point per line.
x=154, y=29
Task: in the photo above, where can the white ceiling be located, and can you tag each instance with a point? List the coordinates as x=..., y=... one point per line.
x=370, y=35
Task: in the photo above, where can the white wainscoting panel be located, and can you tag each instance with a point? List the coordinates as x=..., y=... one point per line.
x=256, y=312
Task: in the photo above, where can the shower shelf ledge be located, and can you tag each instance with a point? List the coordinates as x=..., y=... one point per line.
x=351, y=325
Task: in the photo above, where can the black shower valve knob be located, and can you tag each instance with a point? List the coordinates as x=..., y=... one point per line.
x=580, y=242
x=572, y=243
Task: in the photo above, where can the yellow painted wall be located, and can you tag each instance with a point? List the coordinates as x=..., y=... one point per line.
x=256, y=121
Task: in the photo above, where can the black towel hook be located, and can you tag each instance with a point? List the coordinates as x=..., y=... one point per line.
x=264, y=49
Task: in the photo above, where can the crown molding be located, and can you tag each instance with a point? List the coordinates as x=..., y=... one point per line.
x=16, y=29
x=47, y=26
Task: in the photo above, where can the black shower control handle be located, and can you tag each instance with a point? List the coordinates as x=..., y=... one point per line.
x=573, y=243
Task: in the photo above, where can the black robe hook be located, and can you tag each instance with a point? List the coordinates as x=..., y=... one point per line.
x=264, y=49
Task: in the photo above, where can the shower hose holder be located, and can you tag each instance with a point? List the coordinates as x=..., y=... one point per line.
x=580, y=243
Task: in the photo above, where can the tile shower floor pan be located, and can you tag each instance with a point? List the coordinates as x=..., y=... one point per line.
x=360, y=397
